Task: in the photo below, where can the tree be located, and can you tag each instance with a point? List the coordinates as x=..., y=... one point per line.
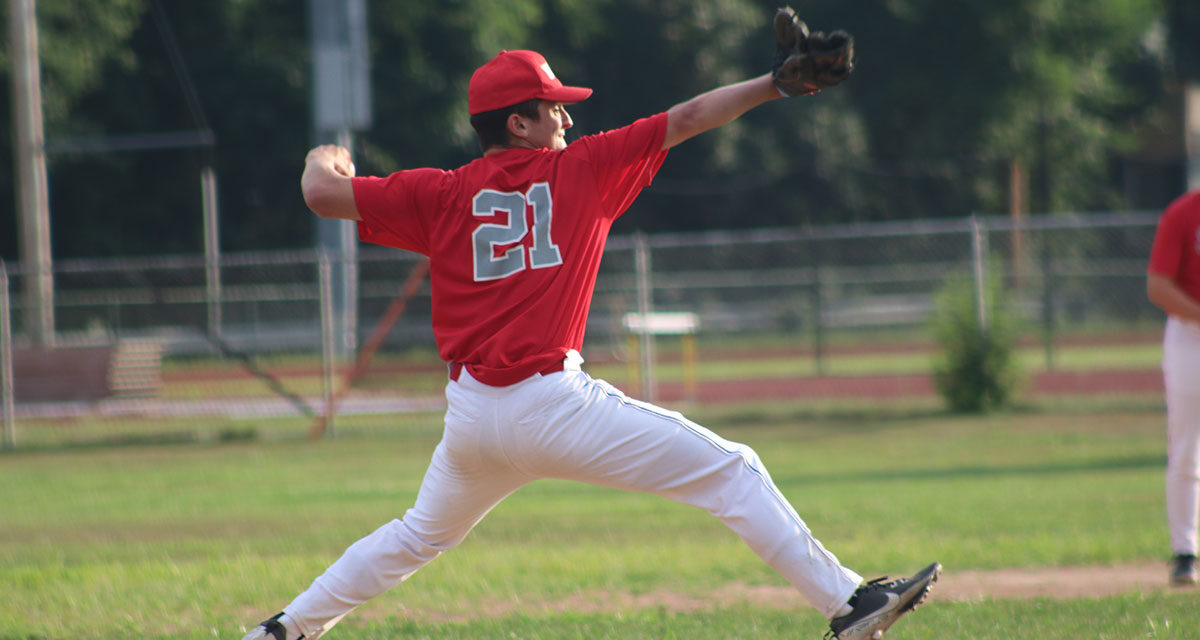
x=952, y=92
x=247, y=62
x=76, y=41
x=945, y=96
x=1183, y=23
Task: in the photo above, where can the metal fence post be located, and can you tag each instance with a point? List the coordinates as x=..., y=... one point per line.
x=325, y=270
x=1049, y=294
x=979, y=264
x=212, y=249
x=816, y=301
x=645, y=307
x=7, y=396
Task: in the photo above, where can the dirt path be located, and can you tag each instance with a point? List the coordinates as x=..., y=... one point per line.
x=1055, y=583
x=953, y=586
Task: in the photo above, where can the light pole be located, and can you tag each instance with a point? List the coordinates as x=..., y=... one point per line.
x=341, y=105
x=30, y=160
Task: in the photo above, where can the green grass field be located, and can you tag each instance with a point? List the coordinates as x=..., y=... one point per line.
x=198, y=540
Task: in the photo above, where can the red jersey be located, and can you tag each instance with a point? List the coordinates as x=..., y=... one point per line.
x=514, y=241
x=1176, y=250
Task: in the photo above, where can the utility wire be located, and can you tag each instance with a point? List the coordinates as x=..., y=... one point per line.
x=181, y=73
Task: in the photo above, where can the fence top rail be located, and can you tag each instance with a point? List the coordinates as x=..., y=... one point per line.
x=896, y=228
x=177, y=261
x=916, y=227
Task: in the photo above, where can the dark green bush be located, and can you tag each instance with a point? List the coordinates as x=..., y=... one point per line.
x=976, y=370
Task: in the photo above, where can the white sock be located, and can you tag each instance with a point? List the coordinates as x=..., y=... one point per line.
x=844, y=611
x=293, y=631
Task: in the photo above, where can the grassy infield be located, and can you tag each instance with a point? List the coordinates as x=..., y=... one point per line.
x=197, y=540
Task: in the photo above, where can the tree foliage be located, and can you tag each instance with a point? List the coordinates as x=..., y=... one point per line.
x=1183, y=18
x=976, y=369
x=945, y=97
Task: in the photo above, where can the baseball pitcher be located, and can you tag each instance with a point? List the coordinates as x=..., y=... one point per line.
x=514, y=240
x=1173, y=283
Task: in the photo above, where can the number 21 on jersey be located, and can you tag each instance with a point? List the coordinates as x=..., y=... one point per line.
x=486, y=237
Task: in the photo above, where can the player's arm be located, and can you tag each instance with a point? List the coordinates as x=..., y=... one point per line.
x=804, y=64
x=326, y=183
x=1172, y=299
x=717, y=107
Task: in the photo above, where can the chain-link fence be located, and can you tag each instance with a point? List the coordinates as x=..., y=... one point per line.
x=795, y=303
x=1068, y=275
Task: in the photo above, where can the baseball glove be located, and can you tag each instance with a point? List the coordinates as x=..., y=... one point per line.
x=804, y=63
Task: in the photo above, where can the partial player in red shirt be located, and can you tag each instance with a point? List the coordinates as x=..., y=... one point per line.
x=1173, y=283
x=514, y=241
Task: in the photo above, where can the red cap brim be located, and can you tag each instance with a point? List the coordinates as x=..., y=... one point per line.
x=567, y=95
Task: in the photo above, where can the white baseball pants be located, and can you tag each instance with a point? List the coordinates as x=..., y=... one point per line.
x=1181, y=379
x=568, y=425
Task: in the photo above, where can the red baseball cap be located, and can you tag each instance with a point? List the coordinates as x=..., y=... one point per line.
x=513, y=77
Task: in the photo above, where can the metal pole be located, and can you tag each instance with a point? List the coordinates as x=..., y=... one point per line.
x=1044, y=193
x=1049, y=294
x=645, y=307
x=816, y=303
x=325, y=268
x=341, y=104
x=1018, y=186
x=30, y=160
x=978, y=260
x=212, y=249
x=1191, y=109
x=7, y=396
x=348, y=251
